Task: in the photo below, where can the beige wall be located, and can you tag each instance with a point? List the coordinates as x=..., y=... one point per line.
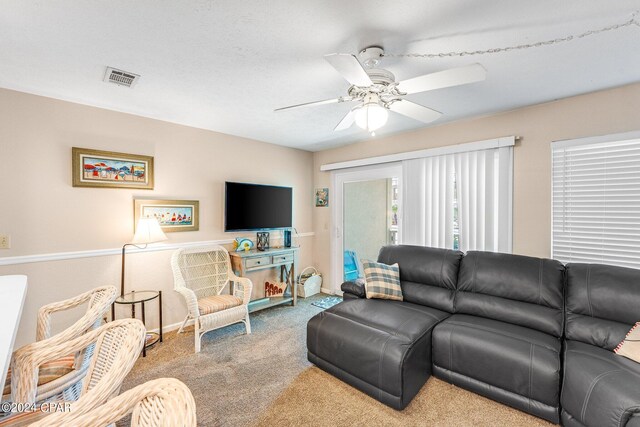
x=599, y=113
x=44, y=214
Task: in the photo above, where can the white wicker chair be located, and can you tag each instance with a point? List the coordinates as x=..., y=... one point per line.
x=99, y=300
x=164, y=402
x=201, y=275
x=117, y=346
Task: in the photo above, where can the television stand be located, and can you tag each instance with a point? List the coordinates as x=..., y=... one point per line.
x=285, y=258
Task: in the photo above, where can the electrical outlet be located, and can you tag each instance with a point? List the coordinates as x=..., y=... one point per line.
x=5, y=241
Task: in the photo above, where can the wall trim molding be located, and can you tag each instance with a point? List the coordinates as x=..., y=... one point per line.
x=61, y=256
x=505, y=141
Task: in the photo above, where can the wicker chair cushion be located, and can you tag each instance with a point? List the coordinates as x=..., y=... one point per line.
x=48, y=372
x=216, y=303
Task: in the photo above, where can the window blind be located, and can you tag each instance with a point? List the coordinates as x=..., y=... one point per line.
x=460, y=200
x=428, y=201
x=596, y=202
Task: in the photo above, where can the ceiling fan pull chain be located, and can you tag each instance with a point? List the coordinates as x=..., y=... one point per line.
x=632, y=21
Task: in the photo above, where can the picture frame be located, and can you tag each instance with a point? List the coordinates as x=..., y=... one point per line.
x=322, y=197
x=109, y=169
x=172, y=215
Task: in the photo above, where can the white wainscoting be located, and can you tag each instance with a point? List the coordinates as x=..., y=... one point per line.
x=59, y=256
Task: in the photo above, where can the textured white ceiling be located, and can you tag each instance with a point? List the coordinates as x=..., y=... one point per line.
x=225, y=65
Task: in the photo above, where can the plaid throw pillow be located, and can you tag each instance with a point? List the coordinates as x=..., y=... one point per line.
x=381, y=280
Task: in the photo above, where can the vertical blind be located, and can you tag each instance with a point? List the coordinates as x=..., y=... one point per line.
x=596, y=202
x=428, y=202
x=463, y=197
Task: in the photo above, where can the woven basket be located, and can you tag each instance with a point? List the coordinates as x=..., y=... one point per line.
x=310, y=283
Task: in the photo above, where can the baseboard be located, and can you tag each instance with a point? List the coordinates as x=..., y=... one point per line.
x=175, y=326
x=172, y=327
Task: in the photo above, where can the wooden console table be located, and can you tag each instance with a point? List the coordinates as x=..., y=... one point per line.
x=286, y=258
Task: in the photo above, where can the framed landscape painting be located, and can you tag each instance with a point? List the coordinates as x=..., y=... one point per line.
x=172, y=215
x=95, y=168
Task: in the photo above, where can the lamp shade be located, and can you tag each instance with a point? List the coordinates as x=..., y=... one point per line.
x=371, y=116
x=148, y=231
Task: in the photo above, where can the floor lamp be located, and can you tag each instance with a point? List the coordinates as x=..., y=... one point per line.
x=147, y=231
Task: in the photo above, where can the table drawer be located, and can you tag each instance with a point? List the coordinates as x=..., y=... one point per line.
x=278, y=259
x=258, y=261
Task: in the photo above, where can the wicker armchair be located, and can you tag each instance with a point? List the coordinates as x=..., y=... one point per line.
x=117, y=346
x=100, y=299
x=201, y=275
x=164, y=402
x=57, y=374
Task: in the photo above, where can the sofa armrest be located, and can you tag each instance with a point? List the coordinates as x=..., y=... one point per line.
x=354, y=288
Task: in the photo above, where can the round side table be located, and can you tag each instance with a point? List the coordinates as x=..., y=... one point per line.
x=141, y=297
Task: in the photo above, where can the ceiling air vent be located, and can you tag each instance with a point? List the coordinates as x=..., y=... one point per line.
x=121, y=78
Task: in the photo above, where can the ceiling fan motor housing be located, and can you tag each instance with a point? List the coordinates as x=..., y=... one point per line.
x=384, y=88
x=380, y=76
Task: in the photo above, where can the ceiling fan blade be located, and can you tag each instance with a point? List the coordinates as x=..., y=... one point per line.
x=346, y=121
x=314, y=103
x=447, y=78
x=350, y=68
x=415, y=111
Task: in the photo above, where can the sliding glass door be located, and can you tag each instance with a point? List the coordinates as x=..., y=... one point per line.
x=367, y=217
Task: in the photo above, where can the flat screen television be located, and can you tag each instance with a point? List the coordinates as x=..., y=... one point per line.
x=257, y=207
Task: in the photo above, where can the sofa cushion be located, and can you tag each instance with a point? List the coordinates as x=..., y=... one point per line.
x=517, y=360
x=382, y=281
x=601, y=303
x=600, y=388
x=522, y=290
x=384, y=343
x=428, y=275
x=398, y=318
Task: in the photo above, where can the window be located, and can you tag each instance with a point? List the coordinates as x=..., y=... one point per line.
x=596, y=200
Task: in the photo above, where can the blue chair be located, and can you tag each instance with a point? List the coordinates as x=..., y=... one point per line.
x=351, y=266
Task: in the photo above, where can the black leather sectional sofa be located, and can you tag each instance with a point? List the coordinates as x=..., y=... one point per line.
x=528, y=332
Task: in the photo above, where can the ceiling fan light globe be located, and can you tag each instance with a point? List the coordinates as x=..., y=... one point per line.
x=371, y=116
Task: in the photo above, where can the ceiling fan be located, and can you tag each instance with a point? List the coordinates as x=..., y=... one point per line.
x=376, y=90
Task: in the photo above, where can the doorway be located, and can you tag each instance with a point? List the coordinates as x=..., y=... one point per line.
x=367, y=216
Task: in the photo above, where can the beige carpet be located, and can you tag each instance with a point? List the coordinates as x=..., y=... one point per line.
x=265, y=379
x=316, y=398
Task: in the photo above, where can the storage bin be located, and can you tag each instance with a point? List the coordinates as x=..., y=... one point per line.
x=309, y=282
